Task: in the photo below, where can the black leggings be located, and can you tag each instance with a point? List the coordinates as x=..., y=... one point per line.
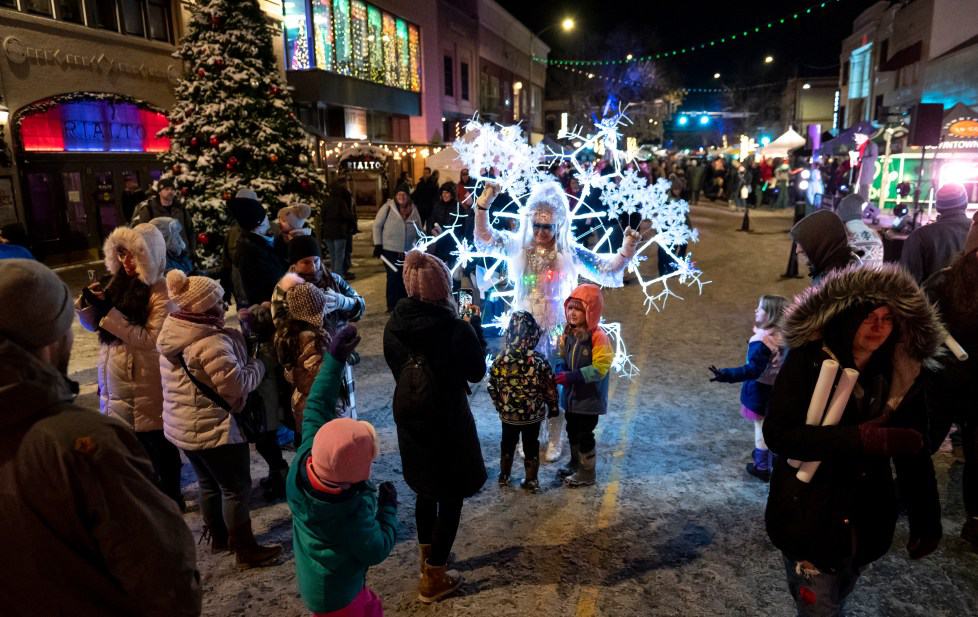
x=166, y=463
x=969, y=478
x=531, y=439
x=437, y=523
x=580, y=430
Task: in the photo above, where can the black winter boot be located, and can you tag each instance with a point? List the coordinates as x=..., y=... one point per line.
x=273, y=488
x=532, y=467
x=505, y=468
x=761, y=467
x=572, y=466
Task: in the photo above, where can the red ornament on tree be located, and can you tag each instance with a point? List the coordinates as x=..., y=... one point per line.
x=184, y=190
x=216, y=20
x=194, y=142
x=273, y=158
x=305, y=184
x=214, y=140
x=219, y=61
x=203, y=238
x=176, y=168
x=274, y=90
x=201, y=72
x=232, y=163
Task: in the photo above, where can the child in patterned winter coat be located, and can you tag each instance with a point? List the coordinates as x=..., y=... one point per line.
x=522, y=387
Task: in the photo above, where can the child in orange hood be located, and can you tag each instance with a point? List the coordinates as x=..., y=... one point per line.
x=582, y=371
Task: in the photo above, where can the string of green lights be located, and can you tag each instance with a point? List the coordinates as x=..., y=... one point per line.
x=730, y=38
x=632, y=82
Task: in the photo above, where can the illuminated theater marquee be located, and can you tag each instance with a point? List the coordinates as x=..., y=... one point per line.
x=93, y=126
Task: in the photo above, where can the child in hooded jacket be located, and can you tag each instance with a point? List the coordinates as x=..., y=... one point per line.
x=764, y=356
x=585, y=356
x=522, y=387
x=341, y=523
x=301, y=342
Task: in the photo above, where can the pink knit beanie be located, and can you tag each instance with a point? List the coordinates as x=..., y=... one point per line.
x=343, y=451
x=426, y=277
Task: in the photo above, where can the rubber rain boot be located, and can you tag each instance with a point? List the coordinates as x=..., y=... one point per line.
x=575, y=462
x=437, y=582
x=585, y=475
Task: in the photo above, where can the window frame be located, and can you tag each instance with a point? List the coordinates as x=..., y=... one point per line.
x=448, y=75
x=88, y=12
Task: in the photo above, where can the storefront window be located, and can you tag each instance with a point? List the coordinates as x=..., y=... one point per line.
x=464, y=80
x=132, y=16
x=322, y=21
x=70, y=10
x=352, y=37
x=341, y=36
x=101, y=14
x=158, y=18
x=296, y=35
x=37, y=7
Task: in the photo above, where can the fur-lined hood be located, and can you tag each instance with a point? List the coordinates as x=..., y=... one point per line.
x=922, y=332
x=145, y=242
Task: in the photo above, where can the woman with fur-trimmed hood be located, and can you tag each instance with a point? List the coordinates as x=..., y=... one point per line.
x=127, y=309
x=877, y=321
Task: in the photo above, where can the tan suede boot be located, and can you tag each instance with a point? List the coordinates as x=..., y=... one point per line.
x=425, y=550
x=247, y=552
x=437, y=582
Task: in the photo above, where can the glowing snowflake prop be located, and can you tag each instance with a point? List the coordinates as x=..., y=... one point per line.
x=501, y=155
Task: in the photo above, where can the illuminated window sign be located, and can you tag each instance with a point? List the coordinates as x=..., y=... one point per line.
x=355, y=38
x=94, y=126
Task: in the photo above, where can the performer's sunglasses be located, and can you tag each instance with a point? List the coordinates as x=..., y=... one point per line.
x=544, y=227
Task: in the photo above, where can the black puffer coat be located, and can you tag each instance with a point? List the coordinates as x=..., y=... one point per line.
x=849, y=509
x=440, y=452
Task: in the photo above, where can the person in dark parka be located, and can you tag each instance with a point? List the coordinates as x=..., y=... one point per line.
x=260, y=265
x=823, y=239
x=440, y=451
x=931, y=247
x=84, y=531
x=877, y=321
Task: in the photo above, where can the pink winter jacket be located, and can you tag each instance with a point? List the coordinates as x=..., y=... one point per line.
x=217, y=357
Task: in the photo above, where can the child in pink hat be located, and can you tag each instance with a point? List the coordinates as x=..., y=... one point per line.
x=341, y=523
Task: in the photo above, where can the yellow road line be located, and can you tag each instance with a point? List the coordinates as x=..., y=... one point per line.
x=587, y=600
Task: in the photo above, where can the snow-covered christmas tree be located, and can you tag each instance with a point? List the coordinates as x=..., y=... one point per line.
x=233, y=126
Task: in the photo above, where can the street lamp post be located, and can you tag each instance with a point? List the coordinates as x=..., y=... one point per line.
x=566, y=24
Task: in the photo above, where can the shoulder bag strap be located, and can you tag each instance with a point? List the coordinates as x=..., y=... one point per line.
x=206, y=390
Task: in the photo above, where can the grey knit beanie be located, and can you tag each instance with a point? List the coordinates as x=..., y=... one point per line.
x=35, y=305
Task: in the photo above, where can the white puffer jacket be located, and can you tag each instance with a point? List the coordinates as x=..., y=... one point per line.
x=217, y=357
x=129, y=368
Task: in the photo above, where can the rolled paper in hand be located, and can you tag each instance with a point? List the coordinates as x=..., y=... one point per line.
x=833, y=415
x=387, y=262
x=823, y=388
x=956, y=348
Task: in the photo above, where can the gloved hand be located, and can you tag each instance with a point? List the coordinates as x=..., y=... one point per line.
x=336, y=301
x=97, y=300
x=343, y=343
x=489, y=190
x=918, y=548
x=567, y=378
x=630, y=242
x=717, y=374
x=879, y=440
x=378, y=249
x=386, y=494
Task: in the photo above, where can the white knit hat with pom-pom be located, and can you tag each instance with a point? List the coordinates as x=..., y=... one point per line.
x=193, y=294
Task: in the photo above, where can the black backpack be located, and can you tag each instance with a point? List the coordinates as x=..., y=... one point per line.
x=414, y=394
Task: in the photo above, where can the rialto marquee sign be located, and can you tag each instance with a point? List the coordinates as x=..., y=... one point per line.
x=18, y=52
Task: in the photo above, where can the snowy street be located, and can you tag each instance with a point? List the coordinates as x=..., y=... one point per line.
x=674, y=526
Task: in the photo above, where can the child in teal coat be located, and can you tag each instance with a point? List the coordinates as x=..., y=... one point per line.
x=341, y=523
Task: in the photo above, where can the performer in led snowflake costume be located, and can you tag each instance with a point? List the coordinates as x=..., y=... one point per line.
x=545, y=263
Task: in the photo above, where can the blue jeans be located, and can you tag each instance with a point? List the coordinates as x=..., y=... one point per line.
x=224, y=478
x=820, y=594
x=337, y=255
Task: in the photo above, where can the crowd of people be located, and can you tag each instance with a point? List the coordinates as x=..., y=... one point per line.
x=175, y=381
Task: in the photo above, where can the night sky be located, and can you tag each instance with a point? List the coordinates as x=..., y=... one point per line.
x=807, y=47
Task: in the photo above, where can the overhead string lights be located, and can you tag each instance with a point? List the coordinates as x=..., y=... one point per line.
x=723, y=40
x=637, y=83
